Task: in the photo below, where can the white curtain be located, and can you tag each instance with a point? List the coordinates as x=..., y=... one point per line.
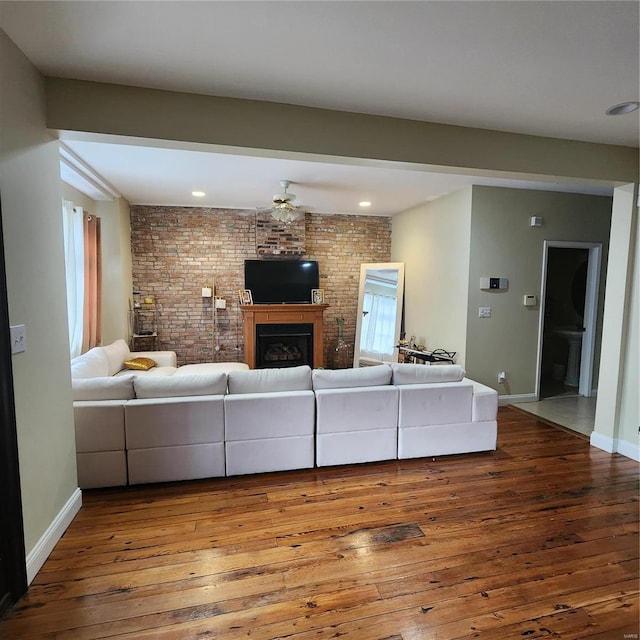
x=72, y=220
x=377, y=333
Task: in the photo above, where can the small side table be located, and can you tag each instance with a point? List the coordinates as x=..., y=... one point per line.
x=437, y=355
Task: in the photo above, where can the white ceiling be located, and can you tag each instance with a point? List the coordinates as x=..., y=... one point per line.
x=547, y=68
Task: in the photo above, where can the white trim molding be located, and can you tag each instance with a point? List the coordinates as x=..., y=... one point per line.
x=518, y=397
x=628, y=449
x=39, y=554
x=615, y=445
x=77, y=173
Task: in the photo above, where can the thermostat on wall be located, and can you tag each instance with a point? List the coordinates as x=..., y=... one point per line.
x=495, y=284
x=529, y=300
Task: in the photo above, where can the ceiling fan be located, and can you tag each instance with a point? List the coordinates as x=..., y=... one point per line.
x=282, y=207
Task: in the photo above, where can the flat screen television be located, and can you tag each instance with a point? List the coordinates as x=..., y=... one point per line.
x=283, y=281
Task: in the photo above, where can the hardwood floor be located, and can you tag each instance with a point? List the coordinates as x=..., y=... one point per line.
x=536, y=540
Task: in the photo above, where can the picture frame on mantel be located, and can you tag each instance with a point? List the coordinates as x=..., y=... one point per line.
x=245, y=296
x=317, y=296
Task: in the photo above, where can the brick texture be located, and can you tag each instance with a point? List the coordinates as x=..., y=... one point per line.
x=275, y=238
x=178, y=250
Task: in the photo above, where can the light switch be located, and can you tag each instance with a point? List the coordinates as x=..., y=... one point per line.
x=18, y=335
x=484, y=312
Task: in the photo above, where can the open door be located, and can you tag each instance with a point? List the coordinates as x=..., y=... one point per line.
x=13, y=575
x=581, y=334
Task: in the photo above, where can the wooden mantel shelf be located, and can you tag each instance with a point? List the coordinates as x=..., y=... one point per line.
x=283, y=314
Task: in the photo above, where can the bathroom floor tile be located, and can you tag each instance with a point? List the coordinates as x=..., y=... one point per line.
x=573, y=412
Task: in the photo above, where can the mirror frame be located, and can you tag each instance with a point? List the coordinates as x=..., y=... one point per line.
x=364, y=267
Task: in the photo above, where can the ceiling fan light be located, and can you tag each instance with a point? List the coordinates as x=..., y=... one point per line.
x=286, y=215
x=281, y=209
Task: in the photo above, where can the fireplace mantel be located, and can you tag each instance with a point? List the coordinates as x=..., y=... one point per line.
x=283, y=314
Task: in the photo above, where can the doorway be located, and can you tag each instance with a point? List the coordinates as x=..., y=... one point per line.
x=567, y=332
x=13, y=576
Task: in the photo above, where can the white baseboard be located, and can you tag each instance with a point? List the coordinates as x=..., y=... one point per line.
x=615, y=445
x=629, y=449
x=518, y=397
x=602, y=442
x=38, y=555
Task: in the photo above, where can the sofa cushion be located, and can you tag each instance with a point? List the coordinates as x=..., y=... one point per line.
x=99, y=425
x=211, y=367
x=350, y=378
x=117, y=352
x=154, y=371
x=270, y=380
x=103, y=388
x=266, y=416
x=423, y=405
x=140, y=364
x=405, y=373
x=206, y=384
x=173, y=422
x=357, y=409
x=92, y=364
x=163, y=358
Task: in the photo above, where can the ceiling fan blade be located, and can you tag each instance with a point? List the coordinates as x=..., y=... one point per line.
x=282, y=208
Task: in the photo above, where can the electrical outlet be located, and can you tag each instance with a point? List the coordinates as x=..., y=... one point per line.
x=502, y=376
x=484, y=312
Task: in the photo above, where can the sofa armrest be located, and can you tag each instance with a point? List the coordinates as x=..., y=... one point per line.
x=485, y=402
x=163, y=358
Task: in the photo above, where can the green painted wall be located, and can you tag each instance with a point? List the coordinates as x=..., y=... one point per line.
x=32, y=226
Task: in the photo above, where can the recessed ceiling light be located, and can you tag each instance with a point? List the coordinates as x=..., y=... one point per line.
x=198, y=194
x=365, y=203
x=622, y=108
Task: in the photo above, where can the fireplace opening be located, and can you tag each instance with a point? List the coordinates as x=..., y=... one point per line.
x=284, y=345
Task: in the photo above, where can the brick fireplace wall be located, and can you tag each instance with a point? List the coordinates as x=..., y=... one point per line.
x=178, y=250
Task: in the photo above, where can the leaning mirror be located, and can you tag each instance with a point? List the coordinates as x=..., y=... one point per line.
x=379, y=313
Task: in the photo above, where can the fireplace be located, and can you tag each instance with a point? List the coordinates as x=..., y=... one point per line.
x=279, y=315
x=284, y=345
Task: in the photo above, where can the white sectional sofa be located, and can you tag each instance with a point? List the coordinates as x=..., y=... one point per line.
x=269, y=420
x=207, y=420
x=174, y=429
x=134, y=426
x=356, y=415
x=401, y=411
x=440, y=412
